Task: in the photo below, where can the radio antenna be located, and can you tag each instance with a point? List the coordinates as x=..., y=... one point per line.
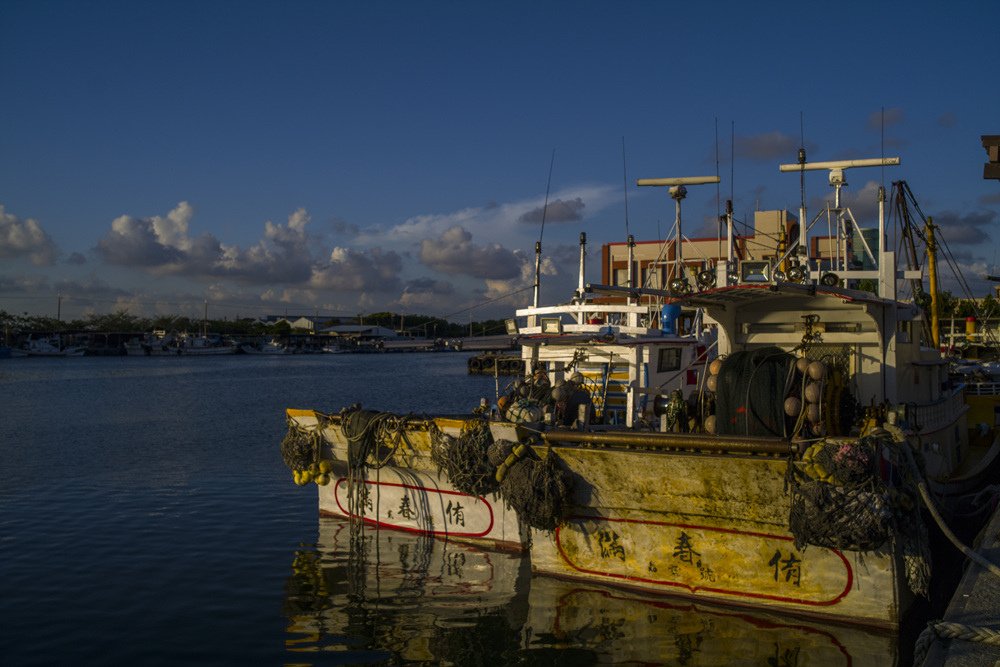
x=718, y=189
x=625, y=184
x=538, y=243
x=548, y=186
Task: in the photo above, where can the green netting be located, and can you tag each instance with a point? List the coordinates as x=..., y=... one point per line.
x=751, y=393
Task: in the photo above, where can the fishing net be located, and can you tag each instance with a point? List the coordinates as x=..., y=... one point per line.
x=838, y=498
x=465, y=459
x=538, y=490
x=751, y=393
x=299, y=447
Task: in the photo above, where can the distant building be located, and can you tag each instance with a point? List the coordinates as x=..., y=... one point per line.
x=656, y=261
x=307, y=322
x=361, y=332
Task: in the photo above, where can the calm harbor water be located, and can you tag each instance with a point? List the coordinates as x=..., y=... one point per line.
x=146, y=518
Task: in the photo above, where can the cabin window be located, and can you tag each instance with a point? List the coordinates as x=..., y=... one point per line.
x=621, y=277
x=670, y=360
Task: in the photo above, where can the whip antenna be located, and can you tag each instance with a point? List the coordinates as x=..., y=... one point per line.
x=625, y=185
x=538, y=243
x=718, y=188
x=548, y=186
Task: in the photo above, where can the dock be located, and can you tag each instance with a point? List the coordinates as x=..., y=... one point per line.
x=469, y=344
x=969, y=633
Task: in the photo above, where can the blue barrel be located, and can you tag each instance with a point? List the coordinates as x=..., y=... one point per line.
x=668, y=318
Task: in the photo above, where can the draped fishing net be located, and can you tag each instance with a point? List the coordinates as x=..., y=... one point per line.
x=538, y=490
x=465, y=459
x=841, y=498
x=299, y=447
x=838, y=498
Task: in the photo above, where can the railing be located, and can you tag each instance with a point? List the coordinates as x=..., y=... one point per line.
x=983, y=388
x=931, y=417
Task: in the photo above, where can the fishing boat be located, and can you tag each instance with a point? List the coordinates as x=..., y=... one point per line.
x=157, y=343
x=52, y=346
x=269, y=347
x=754, y=435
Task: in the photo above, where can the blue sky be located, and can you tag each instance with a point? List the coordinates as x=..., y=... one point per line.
x=341, y=157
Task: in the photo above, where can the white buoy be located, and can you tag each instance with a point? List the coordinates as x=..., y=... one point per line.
x=817, y=370
x=793, y=406
x=710, y=424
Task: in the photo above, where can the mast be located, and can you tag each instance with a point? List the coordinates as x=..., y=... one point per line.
x=677, y=192
x=538, y=272
x=932, y=281
x=631, y=262
x=847, y=227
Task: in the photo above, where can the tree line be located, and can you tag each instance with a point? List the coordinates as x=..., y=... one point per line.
x=121, y=321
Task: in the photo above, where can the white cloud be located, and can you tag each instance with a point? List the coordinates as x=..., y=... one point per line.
x=454, y=253
x=25, y=238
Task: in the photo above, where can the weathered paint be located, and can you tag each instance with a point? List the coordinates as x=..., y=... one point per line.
x=411, y=503
x=711, y=527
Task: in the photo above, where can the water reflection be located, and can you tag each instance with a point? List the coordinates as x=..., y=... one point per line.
x=416, y=599
x=410, y=598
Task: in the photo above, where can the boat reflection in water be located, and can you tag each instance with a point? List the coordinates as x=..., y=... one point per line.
x=403, y=596
x=408, y=597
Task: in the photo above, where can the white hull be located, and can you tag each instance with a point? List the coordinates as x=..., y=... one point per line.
x=426, y=503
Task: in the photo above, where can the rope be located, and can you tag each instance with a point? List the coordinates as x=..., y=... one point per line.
x=951, y=630
x=989, y=566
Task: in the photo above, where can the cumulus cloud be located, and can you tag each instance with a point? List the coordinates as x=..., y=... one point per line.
x=454, y=253
x=283, y=255
x=991, y=199
x=25, y=238
x=162, y=245
x=766, y=147
x=358, y=270
x=159, y=244
x=516, y=290
x=558, y=210
x=76, y=258
x=971, y=228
